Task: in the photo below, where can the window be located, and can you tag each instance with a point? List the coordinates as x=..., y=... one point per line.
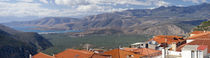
x=192, y=54
x=130, y=56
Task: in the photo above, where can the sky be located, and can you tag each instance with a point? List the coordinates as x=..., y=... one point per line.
x=79, y=8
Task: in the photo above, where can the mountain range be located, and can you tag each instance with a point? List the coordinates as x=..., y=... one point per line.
x=17, y=44
x=172, y=20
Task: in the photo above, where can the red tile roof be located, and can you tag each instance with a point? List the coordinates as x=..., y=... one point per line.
x=147, y=52
x=205, y=35
x=142, y=51
x=197, y=32
x=42, y=55
x=169, y=39
x=71, y=53
x=138, y=51
x=202, y=47
x=129, y=49
x=199, y=39
x=201, y=42
x=196, y=42
x=119, y=53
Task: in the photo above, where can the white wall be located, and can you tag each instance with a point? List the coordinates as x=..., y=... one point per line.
x=203, y=53
x=186, y=54
x=200, y=54
x=174, y=53
x=188, y=41
x=192, y=34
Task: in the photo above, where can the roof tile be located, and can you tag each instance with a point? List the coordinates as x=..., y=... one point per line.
x=169, y=39
x=42, y=55
x=71, y=53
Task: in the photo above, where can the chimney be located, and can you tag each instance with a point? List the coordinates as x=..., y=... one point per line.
x=173, y=46
x=53, y=55
x=163, y=53
x=30, y=56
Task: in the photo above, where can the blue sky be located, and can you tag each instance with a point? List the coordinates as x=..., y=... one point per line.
x=79, y=8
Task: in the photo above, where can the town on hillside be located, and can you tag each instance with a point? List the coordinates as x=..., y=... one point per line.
x=161, y=46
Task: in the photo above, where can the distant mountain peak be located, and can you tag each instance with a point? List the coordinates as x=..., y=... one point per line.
x=135, y=21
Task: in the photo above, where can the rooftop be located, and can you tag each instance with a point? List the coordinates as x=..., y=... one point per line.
x=169, y=39
x=71, y=53
x=190, y=47
x=143, y=51
x=197, y=32
x=201, y=36
x=147, y=51
x=42, y=55
x=202, y=43
x=119, y=53
x=202, y=47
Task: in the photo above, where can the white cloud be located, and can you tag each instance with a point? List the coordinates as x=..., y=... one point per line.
x=87, y=7
x=4, y=0
x=131, y=2
x=161, y=3
x=24, y=0
x=195, y=1
x=17, y=0
x=24, y=9
x=71, y=2
x=44, y=1
x=99, y=2
x=81, y=7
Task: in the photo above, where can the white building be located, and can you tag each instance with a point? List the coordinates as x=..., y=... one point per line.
x=139, y=45
x=194, y=51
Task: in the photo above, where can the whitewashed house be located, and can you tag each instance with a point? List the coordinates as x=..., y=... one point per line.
x=194, y=51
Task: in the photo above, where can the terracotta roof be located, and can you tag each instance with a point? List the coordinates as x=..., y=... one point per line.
x=42, y=55
x=201, y=42
x=169, y=39
x=147, y=51
x=196, y=42
x=198, y=39
x=129, y=49
x=201, y=36
x=143, y=51
x=71, y=53
x=119, y=53
x=197, y=32
x=202, y=47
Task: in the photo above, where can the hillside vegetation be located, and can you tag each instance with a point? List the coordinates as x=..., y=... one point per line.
x=204, y=26
x=62, y=41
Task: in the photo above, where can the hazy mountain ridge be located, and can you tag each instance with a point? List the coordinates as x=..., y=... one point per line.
x=48, y=23
x=162, y=20
x=16, y=44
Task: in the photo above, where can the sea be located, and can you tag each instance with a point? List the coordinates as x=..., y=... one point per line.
x=29, y=29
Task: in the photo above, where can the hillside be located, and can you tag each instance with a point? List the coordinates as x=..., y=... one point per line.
x=204, y=26
x=64, y=41
x=52, y=23
x=16, y=44
x=170, y=20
